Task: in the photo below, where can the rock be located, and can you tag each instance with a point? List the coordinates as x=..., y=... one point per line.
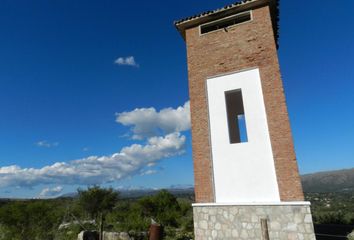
x=88, y=235
x=124, y=236
x=116, y=236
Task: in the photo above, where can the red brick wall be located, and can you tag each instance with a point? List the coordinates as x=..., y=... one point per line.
x=244, y=46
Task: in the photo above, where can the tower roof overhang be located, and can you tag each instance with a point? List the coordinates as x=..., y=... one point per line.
x=183, y=24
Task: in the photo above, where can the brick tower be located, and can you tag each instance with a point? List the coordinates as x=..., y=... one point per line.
x=247, y=183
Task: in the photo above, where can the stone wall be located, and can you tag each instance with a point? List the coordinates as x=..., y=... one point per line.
x=285, y=222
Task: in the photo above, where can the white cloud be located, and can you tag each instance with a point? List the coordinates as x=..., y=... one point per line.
x=46, y=144
x=147, y=122
x=161, y=131
x=50, y=192
x=148, y=172
x=126, y=61
x=130, y=161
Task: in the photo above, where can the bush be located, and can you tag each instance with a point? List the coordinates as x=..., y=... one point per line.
x=351, y=236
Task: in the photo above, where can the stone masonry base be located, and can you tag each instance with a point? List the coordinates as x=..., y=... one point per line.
x=285, y=221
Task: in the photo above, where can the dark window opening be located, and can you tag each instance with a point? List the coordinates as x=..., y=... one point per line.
x=236, y=116
x=226, y=22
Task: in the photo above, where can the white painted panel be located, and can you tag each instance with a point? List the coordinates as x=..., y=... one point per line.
x=243, y=172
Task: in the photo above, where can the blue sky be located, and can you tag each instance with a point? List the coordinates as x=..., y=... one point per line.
x=72, y=74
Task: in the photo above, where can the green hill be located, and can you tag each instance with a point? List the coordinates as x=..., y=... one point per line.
x=331, y=181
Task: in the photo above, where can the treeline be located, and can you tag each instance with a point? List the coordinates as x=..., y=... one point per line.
x=103, y=209
x=95, y=209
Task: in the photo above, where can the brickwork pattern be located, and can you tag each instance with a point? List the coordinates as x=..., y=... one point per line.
x=244, y=222
x=243, y=46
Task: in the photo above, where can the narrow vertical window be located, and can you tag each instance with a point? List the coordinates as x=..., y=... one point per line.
x=236, y=116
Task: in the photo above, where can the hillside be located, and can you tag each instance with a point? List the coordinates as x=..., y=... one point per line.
x=331, y=181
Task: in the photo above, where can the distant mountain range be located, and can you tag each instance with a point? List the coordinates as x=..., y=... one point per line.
x=330, y=181
x=147, y=192
x=141, y=192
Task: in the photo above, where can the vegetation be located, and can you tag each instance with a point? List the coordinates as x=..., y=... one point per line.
x=95, y=209
x=28, y=220
x=351, y=236
x=64, y=218
x=332, y=208
x=135, y=216
x=97, y=203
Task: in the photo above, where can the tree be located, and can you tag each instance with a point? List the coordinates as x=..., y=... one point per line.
x=162, y=207
x=97, y=202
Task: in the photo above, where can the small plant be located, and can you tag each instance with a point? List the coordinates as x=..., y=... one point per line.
x=351, y=236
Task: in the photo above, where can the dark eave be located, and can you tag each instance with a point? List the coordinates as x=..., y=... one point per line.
x=196, y=20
